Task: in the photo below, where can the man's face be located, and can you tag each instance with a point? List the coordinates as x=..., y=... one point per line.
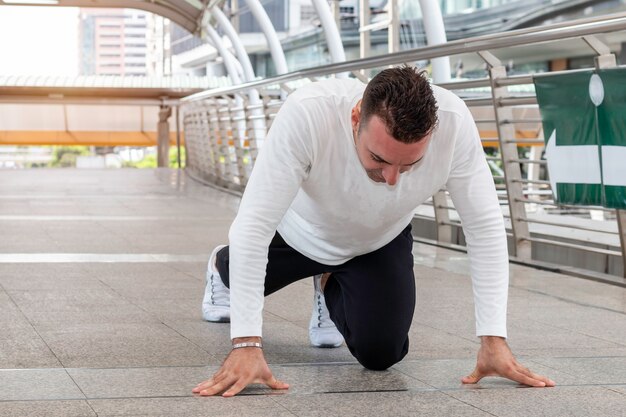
x=383, y=157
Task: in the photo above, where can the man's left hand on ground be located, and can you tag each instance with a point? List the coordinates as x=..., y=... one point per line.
x=496, y=359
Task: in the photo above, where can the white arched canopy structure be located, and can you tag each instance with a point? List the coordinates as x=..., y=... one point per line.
x=186, y=13
x=331, y=31
x=433, y=24
x=273, y=43
x=435, y=34
x=190, y=14
x=194, y=14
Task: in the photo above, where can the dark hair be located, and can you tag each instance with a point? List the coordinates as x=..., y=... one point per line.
x=404, y=101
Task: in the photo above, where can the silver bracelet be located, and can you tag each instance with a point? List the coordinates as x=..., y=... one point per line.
x=247, y=344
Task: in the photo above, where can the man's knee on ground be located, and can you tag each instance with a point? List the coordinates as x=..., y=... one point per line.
x=380, y=355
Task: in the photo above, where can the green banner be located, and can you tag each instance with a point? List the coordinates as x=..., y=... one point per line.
x=584, y=124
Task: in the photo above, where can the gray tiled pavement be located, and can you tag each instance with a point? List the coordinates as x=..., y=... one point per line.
x=101, y=279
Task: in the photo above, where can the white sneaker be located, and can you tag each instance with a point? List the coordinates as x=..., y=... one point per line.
x=322, y=331
x=216, y=302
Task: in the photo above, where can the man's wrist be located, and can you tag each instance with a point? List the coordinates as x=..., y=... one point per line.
x=491, y=339
x=247, y=342
x=250, y=339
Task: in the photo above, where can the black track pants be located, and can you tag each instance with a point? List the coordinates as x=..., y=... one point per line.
x=371, y=298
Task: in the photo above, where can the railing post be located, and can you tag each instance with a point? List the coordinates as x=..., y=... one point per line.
x=364, y=35
x=237, y=140
x=442, y=217
x=231, y=170
x=621, y=228
x=178, y=136
x=223, y=154
x=192, y=127
x=252, y=133
x=203, y=140
x=508, y=151
x=214, y=135
x=393, y=31
x=163, y=136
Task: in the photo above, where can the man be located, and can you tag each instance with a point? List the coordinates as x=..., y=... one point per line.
x=332, y=195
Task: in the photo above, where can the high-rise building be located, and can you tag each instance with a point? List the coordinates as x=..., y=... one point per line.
x=122, y=42
x=159, y=43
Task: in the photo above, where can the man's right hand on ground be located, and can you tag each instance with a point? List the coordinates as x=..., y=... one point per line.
x=242, y=367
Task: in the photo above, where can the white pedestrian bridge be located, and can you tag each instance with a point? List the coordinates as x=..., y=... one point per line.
x=102, y=271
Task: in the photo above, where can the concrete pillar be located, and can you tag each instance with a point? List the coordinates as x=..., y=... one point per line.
x=163, y=137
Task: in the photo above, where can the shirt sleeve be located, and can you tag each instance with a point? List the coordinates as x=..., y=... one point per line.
x=282, y=164
x=473, y=193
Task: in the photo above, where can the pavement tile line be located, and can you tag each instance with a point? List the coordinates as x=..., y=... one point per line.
x=259, y=390
x=32, y=326
x=615, y=390
x=118, y=258
x=264, y=392
x=469, y=404
x=60, y=218
x=87, y=197
x=176, y=331
x=568, y=300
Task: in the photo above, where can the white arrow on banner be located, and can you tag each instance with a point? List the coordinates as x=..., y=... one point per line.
x=614, y=165
x=572, y=164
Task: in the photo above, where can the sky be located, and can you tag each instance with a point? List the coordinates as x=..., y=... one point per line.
x=38, y=40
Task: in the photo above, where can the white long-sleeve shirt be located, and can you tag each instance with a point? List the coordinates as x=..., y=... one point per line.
x=309, y=184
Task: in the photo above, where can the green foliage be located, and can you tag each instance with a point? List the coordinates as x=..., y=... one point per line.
x=174, y=157
x=150, y=161
x=65, y=156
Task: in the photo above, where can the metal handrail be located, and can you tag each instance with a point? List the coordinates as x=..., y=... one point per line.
x=574, y=246
x=569, y=226
x=232, y=164
x=558, y=31
x=563, y=205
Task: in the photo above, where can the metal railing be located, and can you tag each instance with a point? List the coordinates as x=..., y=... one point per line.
x=222, y=143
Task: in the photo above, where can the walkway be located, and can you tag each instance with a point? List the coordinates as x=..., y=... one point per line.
x=101, y=279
